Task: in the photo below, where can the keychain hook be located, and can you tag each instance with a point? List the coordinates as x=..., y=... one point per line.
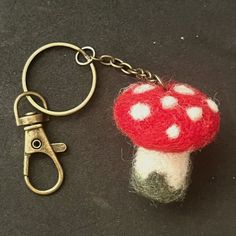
x=36, y=141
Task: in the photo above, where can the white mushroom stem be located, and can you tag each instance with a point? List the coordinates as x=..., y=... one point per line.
x=173, y=166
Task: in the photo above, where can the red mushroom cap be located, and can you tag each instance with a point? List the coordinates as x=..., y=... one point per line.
x=180, y=118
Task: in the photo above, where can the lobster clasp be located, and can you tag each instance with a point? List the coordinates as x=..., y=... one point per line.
x=36, y=141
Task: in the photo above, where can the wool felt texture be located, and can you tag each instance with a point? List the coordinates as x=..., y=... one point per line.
x=177, y=118
x=155, y=188
x=172, y=166
x=162, y=177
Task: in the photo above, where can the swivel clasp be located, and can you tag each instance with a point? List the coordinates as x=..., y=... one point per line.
x=36, y=141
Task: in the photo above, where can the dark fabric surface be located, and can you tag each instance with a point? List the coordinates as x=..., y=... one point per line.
x=189, y=41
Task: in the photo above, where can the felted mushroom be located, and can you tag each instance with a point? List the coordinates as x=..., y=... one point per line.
x=165, y=125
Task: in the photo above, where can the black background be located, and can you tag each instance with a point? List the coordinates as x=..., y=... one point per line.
x=189, y=41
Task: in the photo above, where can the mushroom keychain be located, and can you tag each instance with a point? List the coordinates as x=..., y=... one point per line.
x=166, y=122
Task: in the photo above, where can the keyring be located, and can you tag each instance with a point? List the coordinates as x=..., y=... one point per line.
x=70, y=111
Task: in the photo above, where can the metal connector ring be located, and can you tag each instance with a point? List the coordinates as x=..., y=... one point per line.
x=45, y=110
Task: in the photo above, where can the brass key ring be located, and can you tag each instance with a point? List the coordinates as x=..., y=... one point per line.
x=70, y=111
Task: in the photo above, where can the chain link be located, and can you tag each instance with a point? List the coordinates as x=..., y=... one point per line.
x=126, y=68
x=117, y=63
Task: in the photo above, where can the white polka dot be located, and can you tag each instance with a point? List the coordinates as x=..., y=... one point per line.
x=183, y=89
x=140, y=111
x=143, y=88
x=194, y=113
x=212, y=105
x=173, y=131
x=168, y=102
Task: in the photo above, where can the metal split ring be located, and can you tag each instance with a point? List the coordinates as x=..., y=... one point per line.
x=79, y=51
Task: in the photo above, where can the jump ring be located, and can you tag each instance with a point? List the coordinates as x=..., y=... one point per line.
x=88, y=57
